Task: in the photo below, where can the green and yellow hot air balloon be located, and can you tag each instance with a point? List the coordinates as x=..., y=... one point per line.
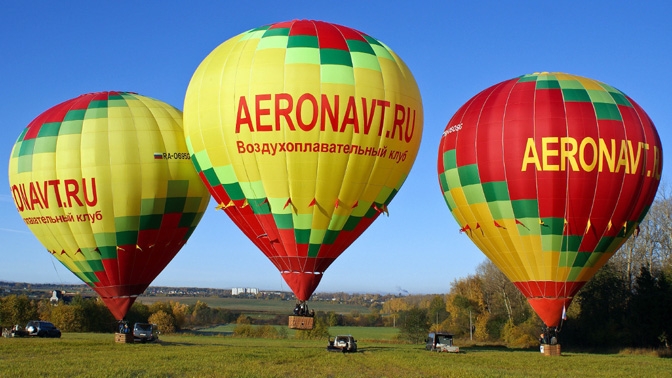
x=303, y=131
x=106, y=184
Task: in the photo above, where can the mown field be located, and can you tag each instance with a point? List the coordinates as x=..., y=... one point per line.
x=382, y=334
x=96, y=355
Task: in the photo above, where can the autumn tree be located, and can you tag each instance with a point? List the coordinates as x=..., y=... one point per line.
x=201, y=314
x=17, y=309
x=161, y=306
x=466, y=306
x=69, y=318
x=523, y=335
x=180, y=312
x=395, y=305
x=164, y=321
x=504, y=303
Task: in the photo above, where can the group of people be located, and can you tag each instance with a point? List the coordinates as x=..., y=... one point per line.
x=123, y=327
x=549, y=336
x=16, y=330
x=301, y=309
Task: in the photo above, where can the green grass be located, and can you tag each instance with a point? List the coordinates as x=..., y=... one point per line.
x=96, y=355
x=366, y=333
x=227, y=330
x=382, y=334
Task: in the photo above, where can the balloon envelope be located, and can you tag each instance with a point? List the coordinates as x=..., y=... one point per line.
x=303, y=131
x=105, y=183
x=549, y=174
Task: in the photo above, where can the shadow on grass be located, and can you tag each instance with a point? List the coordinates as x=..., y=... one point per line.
x=496, y=348
x=654, y=352
x=376, y=348
x=211, y=333
x=170, y=344
x=368, y=349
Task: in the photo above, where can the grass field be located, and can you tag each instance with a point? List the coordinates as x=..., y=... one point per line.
x=382, y=334
x=96, y=355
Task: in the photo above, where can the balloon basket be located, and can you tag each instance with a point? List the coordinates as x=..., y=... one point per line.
x=550, y=349
x=301, y=322
x=123, y=338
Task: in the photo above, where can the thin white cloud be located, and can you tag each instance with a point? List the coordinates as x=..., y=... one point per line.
x=15, y=231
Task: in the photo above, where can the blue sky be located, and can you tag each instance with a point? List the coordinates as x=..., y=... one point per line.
x=54, y=51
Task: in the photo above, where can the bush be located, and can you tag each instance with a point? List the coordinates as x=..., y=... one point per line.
x=243, y=330
x=519, y=336
x=263, y=332
x=320, y=331
x=267, y=332
x=164, y=321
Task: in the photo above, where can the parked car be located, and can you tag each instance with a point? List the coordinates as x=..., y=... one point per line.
x=441, y=342
x=342, y=343
x=145, y=332
x=41, y=328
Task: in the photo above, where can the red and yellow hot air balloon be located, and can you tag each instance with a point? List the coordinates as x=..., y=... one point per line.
x=549, y=174
x=303, y=131
x=105, y=182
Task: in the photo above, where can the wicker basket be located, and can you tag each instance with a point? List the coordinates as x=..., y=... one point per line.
x=301, y=322
x=551, y=350
x=123, y=337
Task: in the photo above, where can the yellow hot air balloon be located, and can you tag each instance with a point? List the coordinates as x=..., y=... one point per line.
x=303, y=131
x=105, y=183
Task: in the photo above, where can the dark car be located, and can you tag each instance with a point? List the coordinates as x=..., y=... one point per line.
x=41, y=328
x=145, y=332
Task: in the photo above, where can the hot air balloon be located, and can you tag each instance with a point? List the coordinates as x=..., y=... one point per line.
x=303, y=131
x=105, y=182
x=549, y=174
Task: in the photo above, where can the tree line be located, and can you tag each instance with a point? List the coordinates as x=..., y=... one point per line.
x=91, y=315
x=626, y=304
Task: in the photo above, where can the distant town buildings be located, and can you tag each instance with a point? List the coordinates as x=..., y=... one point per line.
x=244, y=290
x=66, y=292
